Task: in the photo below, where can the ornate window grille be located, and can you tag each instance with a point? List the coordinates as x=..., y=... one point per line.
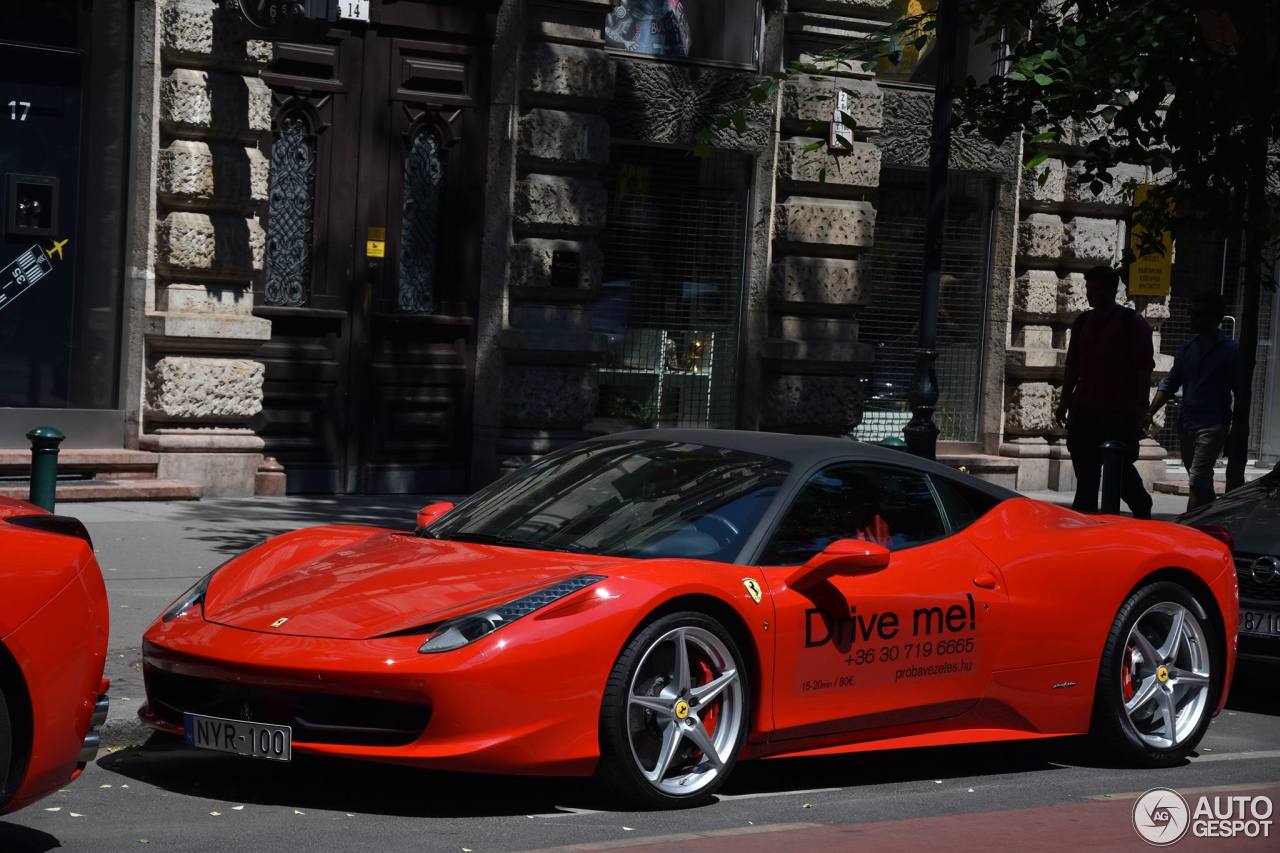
x=291, y=204
x=419, y=218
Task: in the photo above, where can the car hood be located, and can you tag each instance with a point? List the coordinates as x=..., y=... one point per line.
x=392, y=583
x=1248, y=513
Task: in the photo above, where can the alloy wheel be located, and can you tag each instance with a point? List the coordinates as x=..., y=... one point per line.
x=1164, y=680
x=684, y=710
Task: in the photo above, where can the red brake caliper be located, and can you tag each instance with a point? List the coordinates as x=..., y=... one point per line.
x=708, y=718
x=1126, y=674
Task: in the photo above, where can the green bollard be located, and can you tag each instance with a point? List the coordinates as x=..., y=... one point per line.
x=893, y=443
x=44, y=465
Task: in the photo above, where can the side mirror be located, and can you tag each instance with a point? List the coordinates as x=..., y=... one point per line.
x=431, y=512
x=845, y=557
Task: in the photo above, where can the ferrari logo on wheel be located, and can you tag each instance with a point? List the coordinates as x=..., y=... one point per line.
x=682, y=709
x=280, y=621
x=1163, y=674
x=753, y=589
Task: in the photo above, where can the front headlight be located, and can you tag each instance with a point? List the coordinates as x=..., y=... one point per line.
x=188, y=599
x=465, y=630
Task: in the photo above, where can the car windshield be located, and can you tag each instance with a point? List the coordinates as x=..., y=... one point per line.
x=625, y=498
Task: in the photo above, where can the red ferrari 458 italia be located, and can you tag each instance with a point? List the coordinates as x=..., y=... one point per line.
x=653, y=606
x=53, y=645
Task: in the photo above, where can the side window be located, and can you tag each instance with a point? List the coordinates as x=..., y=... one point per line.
x=878, y=503
x=962, y=504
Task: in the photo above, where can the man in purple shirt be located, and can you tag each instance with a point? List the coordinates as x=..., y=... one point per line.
x=1204, y=370
x=1104, y=393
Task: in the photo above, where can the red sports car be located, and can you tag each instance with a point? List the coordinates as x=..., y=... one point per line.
x=653, y=606
x=53, y=645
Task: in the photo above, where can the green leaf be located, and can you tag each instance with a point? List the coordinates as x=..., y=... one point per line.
x=814, y=146
x=1044, y=79
x=1036, y=160
x=1047, y=136
x=1016, y=75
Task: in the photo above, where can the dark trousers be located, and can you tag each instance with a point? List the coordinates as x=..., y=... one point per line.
x=1087, y=429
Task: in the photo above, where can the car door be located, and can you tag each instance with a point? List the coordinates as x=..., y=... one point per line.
x=914, y=641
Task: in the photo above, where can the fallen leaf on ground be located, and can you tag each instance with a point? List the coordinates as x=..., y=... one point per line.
x=215, y=814
x=237, y=808
x=75, y=814
x=807, y=806
x=295, y=811
x=628, y=829
x=54, y=809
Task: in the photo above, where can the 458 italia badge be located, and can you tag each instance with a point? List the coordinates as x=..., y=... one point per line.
x=753, y=589
x=280, y=621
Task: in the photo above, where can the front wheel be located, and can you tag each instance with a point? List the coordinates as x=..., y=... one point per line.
x=1159, y=680
x=675, y=713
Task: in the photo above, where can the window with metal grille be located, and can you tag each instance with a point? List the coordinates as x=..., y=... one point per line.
x=890, y=322
x=671, y=296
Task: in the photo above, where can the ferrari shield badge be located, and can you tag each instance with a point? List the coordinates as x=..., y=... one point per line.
x=280, y=621
x=753, y=589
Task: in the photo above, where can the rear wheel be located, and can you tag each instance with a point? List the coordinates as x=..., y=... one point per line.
x=675, y=713
x=1159, y=680
x=6, y=750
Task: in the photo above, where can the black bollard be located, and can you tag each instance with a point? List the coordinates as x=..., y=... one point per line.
x=1114, y=455
x=44, y=465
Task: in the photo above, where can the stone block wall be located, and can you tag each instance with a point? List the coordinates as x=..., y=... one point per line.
x=201, y=386
x=1065, y=227
x=824, y=220
x=558, y=203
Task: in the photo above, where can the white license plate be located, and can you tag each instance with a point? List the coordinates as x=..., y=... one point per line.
x=256, y=740
x=1260, y=623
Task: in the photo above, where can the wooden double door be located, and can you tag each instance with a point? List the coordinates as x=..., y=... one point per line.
x=373, y=226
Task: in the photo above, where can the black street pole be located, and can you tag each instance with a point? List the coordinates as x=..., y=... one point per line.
x=922, y=433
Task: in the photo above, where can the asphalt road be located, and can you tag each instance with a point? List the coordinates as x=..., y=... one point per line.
x=154, y=792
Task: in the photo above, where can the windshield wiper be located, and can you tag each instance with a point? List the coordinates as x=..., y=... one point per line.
x=509, y=542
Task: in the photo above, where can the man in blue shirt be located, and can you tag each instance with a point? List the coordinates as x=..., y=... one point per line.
x=1205, y=370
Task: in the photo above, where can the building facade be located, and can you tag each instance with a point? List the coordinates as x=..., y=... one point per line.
x=409, y=253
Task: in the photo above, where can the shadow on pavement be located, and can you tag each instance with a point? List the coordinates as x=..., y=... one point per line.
x=1253, y=687
x=905, y=765
x=343, y=785
x=386, y=789
x=235, y=525
x=22, y=839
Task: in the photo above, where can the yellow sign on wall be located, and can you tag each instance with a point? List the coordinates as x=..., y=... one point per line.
x=1150, y=274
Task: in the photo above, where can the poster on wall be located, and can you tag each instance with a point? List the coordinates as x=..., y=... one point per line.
x=703, y=30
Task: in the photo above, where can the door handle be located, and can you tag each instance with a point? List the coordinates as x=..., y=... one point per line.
x=986, y=580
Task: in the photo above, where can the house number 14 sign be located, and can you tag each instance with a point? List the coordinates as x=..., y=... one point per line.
x=353, y=10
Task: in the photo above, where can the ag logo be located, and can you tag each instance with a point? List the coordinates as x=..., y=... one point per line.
x=1161, y=816
x=280, y=621
x=753, y=589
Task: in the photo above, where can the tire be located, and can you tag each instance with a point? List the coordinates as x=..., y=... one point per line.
x=664, y=745
x=1159, y=679
x=6, y=750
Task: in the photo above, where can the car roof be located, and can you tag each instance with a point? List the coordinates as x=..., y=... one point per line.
x=806, y=451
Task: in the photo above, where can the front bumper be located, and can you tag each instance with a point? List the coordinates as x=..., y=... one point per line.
x=526, y=700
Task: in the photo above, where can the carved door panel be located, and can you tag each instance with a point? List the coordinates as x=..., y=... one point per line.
x=373, y=254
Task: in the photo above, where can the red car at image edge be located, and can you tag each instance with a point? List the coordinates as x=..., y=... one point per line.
x=652, y=606
x=53, y=646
